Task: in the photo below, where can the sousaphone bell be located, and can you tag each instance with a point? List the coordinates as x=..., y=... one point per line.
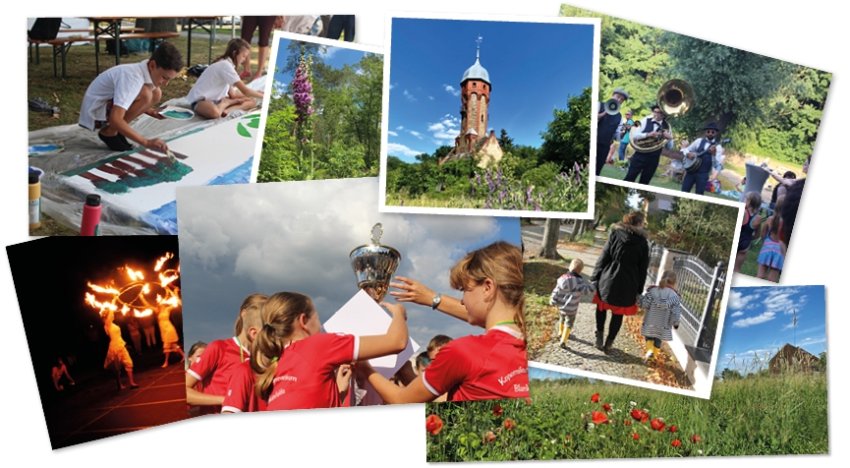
x=675, y=98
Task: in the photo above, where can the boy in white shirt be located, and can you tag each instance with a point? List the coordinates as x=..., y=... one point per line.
x=122, y=93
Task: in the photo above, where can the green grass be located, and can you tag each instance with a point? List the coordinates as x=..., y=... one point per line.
x=540, y=276
x=763, y=415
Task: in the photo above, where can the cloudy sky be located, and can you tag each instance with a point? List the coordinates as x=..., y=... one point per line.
x=296, y=236
x=760, y=320
x=534, y=68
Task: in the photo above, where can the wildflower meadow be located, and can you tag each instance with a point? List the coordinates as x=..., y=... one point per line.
x=576, y=418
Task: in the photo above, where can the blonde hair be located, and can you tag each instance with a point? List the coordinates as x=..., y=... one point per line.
x=668, y=279
x=576, y=265
x=752, y=200
x=501, y=262
x=280, y=314
x=250, y=308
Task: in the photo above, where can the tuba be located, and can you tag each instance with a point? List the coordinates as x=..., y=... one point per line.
x=675, y=98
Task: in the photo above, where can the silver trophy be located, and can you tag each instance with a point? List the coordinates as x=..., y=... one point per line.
x=374, y=265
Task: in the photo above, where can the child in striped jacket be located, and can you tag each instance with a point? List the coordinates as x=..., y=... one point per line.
x=568, y=292
x=661, y=313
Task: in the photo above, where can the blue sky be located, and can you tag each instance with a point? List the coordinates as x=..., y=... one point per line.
x=534, y=68
x=335, y=57
x=759, y=321
x=296, y=236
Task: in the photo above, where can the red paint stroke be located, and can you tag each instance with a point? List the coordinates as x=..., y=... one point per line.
x=140, y=162
x=122, y=165
x=93, y=177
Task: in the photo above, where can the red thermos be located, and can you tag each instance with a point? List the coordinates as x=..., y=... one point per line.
x=91, y=216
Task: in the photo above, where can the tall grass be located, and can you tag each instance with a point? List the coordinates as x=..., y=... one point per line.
x=757, y=415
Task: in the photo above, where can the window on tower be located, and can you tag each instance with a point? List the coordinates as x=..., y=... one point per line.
x=474, y=84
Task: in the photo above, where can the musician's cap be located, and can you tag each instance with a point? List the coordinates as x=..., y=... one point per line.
x=621, y=92
x=712, y=126
x=655, y=107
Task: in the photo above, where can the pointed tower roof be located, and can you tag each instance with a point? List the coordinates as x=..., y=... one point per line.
x=476, y=71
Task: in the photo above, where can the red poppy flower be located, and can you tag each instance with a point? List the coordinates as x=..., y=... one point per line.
x=497, y=410
x=635, y=436
x=627, y=422
x=509, y=424
x=433, y=424
x=489, y=437
x=598, y=417
x=657, y=424
x=607, y=407
x=594, y=398
x=640, y=415
x=696, y=438
x=676, y=443
x=673, y=428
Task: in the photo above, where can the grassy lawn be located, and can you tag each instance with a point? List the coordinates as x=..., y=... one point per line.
x=540, y=275
x=757, y=415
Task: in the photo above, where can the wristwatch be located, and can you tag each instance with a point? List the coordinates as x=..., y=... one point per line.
x=436, y=301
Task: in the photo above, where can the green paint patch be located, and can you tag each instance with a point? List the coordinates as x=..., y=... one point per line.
x=241, y=130
x=161, y=172
x=178, y=114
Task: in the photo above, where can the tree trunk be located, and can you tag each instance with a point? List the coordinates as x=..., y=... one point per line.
x=550, y=239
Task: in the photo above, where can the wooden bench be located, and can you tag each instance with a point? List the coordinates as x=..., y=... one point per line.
x=61, y=45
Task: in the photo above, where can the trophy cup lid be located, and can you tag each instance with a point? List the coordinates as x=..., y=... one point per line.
x=375, y=245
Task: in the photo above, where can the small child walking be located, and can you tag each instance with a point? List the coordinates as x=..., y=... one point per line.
x=568, y=292
x=662, y=313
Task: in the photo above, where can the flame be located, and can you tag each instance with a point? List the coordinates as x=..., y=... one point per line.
x=162, y=261
x=111, y=298
x=165, y=280
x=104, y=290
x=135, y=275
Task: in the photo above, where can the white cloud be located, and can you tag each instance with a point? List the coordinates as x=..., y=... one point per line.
x=409, y=96
x=415, y=133
x=445, y=130
x=737, y=299
x=300, y=235
x=737, y=314
x=397, y=149
x=393, y=85
x=327, y=52
x=400, y=127
x=430, y=98
x=392, y=133
x=756, y=320
x=451, y=90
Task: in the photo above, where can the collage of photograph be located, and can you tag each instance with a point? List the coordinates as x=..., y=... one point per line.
x=555, y=231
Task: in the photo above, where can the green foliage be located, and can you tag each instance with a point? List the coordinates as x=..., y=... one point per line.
x=769, y=107
x=566, y=141
x=701, y=228
x=344, y=133
x=758, y=415
x=552, y=178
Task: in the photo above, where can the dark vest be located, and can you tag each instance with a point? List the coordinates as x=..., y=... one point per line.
x=707, y=162
x=607, y=127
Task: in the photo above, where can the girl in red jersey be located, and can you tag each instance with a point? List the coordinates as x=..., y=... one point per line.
x=488, y=366
x=296, y=363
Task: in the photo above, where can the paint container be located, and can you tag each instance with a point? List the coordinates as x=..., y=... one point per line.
x=35, y=199
x=90, y=225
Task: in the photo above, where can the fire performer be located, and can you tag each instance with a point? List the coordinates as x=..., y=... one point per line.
x=116, y=354
x=168, y=334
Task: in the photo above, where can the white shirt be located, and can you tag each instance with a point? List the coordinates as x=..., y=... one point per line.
x=215, y=82
x=646, y=128
x=120, y=84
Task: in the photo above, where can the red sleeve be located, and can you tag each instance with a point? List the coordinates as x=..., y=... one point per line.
x=237, y=399
x=449, y=369
x=335, y=349
x=205, y=366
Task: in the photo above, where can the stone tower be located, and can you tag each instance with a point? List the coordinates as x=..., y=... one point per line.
x=475, y=90
x=473, y=139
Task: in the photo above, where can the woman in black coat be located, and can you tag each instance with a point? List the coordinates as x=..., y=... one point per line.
x=619, y=276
